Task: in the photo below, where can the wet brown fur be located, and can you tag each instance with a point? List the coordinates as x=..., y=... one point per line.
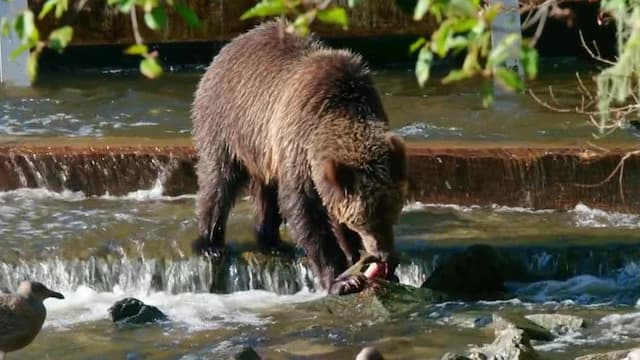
x=304, y=127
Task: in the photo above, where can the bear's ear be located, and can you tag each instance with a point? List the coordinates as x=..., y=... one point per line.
x=397, y=157
x=339, y=176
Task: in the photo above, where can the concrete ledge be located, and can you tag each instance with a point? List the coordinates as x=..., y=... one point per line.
x=537, y=177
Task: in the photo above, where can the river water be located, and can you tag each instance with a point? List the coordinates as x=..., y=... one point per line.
x=97, y=250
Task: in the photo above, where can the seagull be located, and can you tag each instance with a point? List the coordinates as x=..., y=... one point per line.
x=22, y=315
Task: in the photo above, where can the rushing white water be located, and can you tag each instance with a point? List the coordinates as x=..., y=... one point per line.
x=195, y=311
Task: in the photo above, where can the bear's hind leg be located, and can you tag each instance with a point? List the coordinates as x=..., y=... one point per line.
x=220, y=179
x=269, y=219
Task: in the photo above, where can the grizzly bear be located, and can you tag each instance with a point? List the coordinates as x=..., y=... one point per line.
x=303, y=127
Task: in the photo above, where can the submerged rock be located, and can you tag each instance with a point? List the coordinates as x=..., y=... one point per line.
x=246, y=353
x=632, y=354
x=473, y=274
x=510, y=344
x=558, y=323
x=534, y=331
x=134, y=311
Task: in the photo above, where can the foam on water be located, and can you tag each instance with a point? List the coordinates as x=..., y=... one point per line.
x=621, y=286
x=595, y=218
x=195, y=311
x=41, y=194
x=153, y=194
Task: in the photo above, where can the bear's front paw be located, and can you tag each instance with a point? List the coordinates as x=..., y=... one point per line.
x=348, y=285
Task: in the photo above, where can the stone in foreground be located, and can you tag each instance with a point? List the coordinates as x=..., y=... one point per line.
x=534, y=331
x=22, y=315
x=134, y=311
x=632, y=354
x=510, y=344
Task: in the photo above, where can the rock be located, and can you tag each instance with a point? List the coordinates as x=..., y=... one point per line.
x=632, y=354
x=247, y=353
x=381, y=301
x=369, y=353
x=510, y=344
x=557, y=323
x=453, y=356
x=134, y=311
x=470, y=321
x=533, y=330
x=473, y=274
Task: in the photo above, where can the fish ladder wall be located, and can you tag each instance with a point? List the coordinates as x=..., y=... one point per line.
x=538, y=178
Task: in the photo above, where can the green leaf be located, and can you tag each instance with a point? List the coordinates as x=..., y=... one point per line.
x=491, y=12
x=335, y=15
x=421, y=9
x=501, y=52
x=455, y=75
x=423, y=65
x=458, y=42
x=150, y=67
x=463, y=8
x=301, y=24
x=46, y=8
x=530, y=62
x=60, y=38
x=417, y=45
x=63, y=5
x=487, y=94
x=136, y=49
x=156, y=18
x=265, y=8
x=5, y=28
x=32, y=65
x=125, y=6
x=188, y=15
x=439, y=39
x=19, y=50
x=509, y=79
x=149, y=5
x=464, y=25
x=353, y=3
x=26, y=29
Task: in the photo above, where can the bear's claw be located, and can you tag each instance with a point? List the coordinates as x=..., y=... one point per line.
x=348, y=285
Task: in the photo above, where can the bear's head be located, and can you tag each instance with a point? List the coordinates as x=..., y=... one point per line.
x=368, y=196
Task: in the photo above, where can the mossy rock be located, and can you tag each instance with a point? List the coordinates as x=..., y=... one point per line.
x=381, y=300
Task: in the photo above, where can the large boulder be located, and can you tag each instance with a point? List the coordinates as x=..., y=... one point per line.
x=558, y=324
x=134, y=311
x=476, y=273
x=534, y=331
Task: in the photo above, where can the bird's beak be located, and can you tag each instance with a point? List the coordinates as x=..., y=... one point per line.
x=56, y=295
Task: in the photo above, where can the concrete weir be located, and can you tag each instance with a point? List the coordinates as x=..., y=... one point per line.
x=539, y=177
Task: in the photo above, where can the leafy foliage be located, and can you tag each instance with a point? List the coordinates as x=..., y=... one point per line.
x=464, y=28
x=155, y=18
x=619, y=84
